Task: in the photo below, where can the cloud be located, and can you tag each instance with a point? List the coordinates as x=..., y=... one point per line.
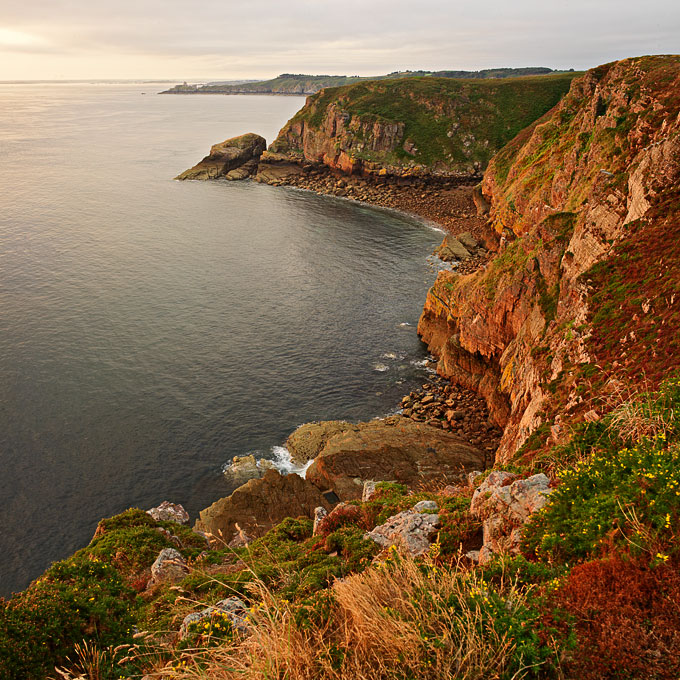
x=263, y=37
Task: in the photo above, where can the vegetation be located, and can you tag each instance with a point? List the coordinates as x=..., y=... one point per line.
x=450, y=122
x=300, y=83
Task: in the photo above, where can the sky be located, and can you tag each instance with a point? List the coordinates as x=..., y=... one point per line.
x=228, y=39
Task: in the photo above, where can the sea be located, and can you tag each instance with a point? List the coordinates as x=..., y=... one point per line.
x=151, y=330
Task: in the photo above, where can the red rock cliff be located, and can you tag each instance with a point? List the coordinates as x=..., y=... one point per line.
x=583, y=288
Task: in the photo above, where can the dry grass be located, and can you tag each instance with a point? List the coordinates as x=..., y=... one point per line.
x=395, y=621
x=636, y=414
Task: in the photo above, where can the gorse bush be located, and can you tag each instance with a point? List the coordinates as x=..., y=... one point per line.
x=77, y=599
x=627, y=492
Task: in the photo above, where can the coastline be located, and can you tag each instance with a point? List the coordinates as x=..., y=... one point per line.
x=448, y=206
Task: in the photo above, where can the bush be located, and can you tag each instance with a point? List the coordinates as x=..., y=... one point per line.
x=75, y=600
x=626, y=616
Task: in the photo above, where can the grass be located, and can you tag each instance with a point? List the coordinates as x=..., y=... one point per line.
x=400, y=620
x=456, y=123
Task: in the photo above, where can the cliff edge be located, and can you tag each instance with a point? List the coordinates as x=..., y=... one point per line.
x=416, y=125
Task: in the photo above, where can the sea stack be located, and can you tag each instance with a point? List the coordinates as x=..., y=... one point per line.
x=233, y=159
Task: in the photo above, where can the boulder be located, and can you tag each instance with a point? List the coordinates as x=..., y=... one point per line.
x=410, y=530
x=243, y=468
x=169, y=512
x=233, y=607
x=504, y=503
x=394, y=449
x=309, y=439
x=320, y=514
x=234, y=158
x=468, y=240
x=258, y=505
x=452, y=250
x=169, y=567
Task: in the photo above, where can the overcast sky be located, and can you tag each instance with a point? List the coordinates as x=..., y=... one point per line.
x=224, y=39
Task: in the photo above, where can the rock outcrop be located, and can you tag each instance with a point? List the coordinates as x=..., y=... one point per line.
x=233, y=159
x=411, y=530
x=169, y=512
x=504, y=503
x=258, y=505
x=571, y=196
x=393, y=449
x=309, y=439
x=169, y=567
x=232, y=608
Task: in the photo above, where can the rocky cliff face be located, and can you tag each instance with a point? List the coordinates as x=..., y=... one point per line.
x=584, y=292
x=416, y=125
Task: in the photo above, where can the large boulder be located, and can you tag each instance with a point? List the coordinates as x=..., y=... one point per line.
x=452, y=250
x=258, y=506
x=504, y=503
x=169, y=512
x=233, y=609
x=235, y=158
x=309, y=439
x=411, y=530
x=169, y=567
x=394, y=449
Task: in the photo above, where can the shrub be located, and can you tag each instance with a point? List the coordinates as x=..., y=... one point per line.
x=75, y=600
x=626, y=616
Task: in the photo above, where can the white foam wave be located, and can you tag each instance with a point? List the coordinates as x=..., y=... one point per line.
x=284, y=463
x=381, y=368
x=389, y=355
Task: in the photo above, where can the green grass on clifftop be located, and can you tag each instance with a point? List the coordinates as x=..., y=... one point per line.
x=449, y=121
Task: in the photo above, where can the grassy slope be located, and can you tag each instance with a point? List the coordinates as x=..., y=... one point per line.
x=485, y=114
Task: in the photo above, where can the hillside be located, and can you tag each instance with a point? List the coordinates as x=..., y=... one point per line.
x=433, y=125
x=560, y=560
x=292, y=83
x=286, y=83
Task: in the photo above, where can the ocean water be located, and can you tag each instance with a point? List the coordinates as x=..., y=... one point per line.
x=152, y=329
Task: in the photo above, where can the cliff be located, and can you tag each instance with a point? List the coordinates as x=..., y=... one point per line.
x=416, y=125
x=563, y=562
x=583, y=292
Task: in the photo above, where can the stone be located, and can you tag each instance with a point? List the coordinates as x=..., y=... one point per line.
x=238, y=153
x=394, y=449
x=452, y=250
x=409, y=530
x=468, y=240
x=243, y=468
x=259, y=505
x=426, y=506
x=472, y=477
x=504, y=503
x=320, y=513
x=233, y=607
x=309, y=439
x=240, y=539
x=169, y=567
x=369, y=490
x=169, y=512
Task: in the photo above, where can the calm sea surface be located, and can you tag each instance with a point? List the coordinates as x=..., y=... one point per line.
x=151, y=329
